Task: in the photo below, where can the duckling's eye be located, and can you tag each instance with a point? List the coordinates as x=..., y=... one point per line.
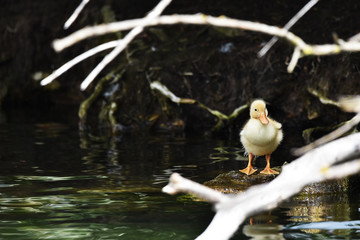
x=255, y=109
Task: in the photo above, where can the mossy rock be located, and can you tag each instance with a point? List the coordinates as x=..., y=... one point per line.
x=236, y=181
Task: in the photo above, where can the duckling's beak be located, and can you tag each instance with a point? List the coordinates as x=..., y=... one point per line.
x=263, y=119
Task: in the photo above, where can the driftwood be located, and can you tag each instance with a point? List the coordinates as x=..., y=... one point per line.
x=321, y=164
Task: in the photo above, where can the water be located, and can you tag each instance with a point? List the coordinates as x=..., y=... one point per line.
x=59, y=183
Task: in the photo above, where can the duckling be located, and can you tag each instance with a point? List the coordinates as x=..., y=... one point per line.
x=260, y=136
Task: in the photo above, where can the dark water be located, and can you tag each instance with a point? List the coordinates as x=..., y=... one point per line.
x=58, y=183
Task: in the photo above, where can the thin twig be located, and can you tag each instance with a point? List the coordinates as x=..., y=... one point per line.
x=294, y=59
x=162, y=89
x=156, y=85
x=75, y=14
x=325, y=100
x=123, y=44
x=78, y=59
x=287, y=26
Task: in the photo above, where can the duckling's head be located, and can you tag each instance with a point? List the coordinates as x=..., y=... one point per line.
x=258, y=111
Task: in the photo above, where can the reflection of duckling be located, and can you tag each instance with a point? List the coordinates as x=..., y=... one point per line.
x=260, y=136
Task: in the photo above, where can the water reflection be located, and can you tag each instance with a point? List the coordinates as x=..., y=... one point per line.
x=225, y=153
x=314, y=215
x=321, y=216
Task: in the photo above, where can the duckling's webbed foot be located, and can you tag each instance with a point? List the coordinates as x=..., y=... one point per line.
x=267, y=170
x=249, y=169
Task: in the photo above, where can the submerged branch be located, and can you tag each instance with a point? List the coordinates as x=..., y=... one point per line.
x=161, y=88
x=321, y=164
x=167, y=93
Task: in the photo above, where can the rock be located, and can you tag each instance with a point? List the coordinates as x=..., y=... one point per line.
x=235, y=182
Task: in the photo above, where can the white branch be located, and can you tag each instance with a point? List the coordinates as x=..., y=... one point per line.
x=195, y=19
x=201, y=19
x=78, y=59
x=355, y=38
x=75, y=14
x=315, y=166
x=342, y=170
x=154, y=18
x=294, y=59
x=108, y=58
x=179, y=184
x=123, y=44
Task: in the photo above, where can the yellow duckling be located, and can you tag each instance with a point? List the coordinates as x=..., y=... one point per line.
x=260, y=136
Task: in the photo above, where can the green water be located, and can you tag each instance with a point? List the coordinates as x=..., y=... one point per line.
x=59, y=183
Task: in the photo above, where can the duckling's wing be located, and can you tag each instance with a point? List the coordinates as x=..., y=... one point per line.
x=276, y=124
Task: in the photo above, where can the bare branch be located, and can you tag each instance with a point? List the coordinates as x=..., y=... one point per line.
x=355, y=38
x=179, y=184
x=123, y=44
x=75, y=14
x=315, y=166
x=201, y=19
x=350, y=104
x=78, y=59
x=196, y=19
x=342, y=170
x=294, y=59
x=108, y=58
x=137, y=25
x=287, y=26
